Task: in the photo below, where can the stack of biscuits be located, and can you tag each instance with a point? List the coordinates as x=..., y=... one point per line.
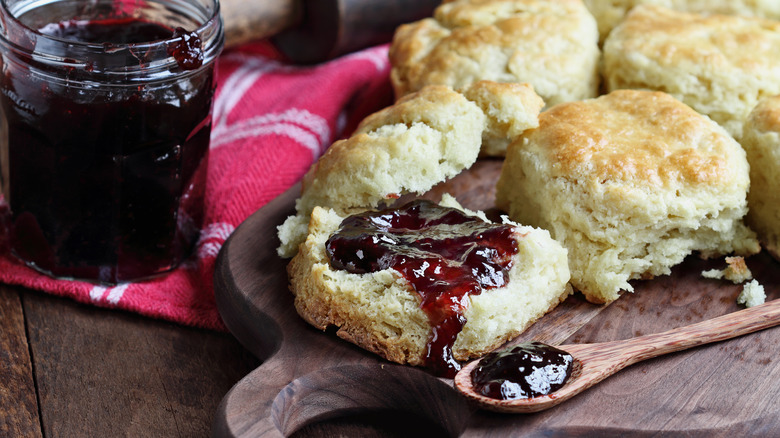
x=632, y=136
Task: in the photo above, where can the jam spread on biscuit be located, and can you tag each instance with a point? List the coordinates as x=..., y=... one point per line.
x=527, y=370
x=445, y=254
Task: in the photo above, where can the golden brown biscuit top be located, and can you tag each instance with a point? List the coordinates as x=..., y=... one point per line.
x=641, y=138
x=674, y=38
x=766, y=115
x=454, y=13
x=609, y=13
x=497, y=40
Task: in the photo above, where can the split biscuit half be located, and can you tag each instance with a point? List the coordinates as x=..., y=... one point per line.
x=381, y=312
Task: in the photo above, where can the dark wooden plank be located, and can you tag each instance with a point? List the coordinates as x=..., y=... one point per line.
x=385, y=424
x=111, y=373
x=18, y=401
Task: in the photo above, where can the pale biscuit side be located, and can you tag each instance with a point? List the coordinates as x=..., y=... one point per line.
x=408, y=147
x=762, y=144
x=511, y=108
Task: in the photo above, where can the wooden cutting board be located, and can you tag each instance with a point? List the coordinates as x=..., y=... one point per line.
x=729, y=388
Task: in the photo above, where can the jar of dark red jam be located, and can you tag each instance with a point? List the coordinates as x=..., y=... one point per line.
x=105, y=117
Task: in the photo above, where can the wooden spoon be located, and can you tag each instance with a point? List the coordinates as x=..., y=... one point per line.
x=595, y=362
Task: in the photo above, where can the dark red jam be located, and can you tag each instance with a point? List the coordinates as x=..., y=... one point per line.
x=445, y=254
x=524, y=371
x=108, y=31
x=185, y=49
x=105, y=182
x=185, y=46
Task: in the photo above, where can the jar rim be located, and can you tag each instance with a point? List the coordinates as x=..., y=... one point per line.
x=151, y=55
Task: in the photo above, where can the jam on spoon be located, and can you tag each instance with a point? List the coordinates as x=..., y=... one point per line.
x=445, y=255
x=595, y=362
x=524, y=371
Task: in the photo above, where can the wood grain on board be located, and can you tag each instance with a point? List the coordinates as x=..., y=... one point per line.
x=17, y=390
x=72, y=370
x=597, y=361
x=310, y=377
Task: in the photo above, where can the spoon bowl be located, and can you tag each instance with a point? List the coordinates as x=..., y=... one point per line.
x=595, y=362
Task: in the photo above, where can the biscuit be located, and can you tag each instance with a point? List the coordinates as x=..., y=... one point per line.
x=551, y=45
x=423, y=139
x=512, y=108
x=381, y=311
x=631, y=183
x=761, y=141
x=719, y=65
x=609, y=13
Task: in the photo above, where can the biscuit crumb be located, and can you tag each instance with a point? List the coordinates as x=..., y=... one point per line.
x=752, y=294
x=737, y=271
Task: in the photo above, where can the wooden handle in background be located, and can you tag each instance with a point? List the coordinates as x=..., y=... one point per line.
x=247, y=20
x=309, y=31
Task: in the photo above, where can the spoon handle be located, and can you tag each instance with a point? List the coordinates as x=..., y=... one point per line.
x=713, y=330
x=598, y=361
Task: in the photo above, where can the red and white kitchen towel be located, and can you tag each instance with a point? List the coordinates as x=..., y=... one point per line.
x=272, y=119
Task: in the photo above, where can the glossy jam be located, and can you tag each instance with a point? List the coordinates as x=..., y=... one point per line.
x=444, y=254
x=524, y=371
x=108, y=31
x=184, y=46
x=106, y=182
x=185, y=49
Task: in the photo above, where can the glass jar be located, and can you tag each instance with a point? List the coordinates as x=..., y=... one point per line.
x=105, y=113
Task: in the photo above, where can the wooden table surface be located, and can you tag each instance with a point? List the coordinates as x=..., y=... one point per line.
x=73, y=370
